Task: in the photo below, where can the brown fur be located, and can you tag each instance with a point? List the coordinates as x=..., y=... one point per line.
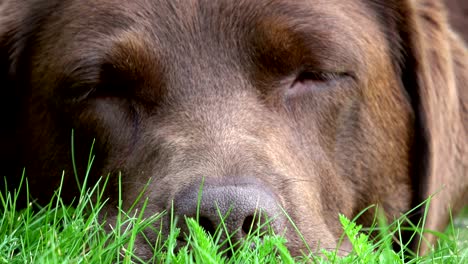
x=458, y=13
x=174, y=91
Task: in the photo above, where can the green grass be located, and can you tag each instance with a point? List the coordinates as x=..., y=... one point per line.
x=59, y=233
x=63, y=233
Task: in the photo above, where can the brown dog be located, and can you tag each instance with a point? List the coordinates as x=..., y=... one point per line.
x=316, y=106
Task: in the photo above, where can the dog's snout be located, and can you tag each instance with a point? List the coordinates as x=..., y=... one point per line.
x=235, y=211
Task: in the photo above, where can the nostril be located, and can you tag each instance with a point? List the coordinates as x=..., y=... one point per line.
x=207, y=224
x=230, y=212
x=248, y=224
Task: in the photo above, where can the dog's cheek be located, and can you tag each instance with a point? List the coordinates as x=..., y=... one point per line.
x=328, y=124
x=113, y=124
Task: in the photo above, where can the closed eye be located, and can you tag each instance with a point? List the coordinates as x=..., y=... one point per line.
x=317, y=76
x=308, y=81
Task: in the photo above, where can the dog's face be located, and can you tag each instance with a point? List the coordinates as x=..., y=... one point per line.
x=292, y=104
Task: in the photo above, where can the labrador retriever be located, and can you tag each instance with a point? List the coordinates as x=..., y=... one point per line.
x=317, y=107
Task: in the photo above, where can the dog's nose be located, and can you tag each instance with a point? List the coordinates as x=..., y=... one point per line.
x=236, y=210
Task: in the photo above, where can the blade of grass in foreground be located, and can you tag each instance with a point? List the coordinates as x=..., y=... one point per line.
x=77, y=233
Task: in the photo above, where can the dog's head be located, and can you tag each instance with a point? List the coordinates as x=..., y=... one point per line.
x=318, y=107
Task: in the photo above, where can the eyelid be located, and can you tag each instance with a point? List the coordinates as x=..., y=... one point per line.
x=320, y=76
x=75, y=91
x=317, y=76
x=308, y=81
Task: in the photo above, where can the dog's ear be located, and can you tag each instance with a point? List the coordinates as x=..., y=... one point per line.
x=434, y=70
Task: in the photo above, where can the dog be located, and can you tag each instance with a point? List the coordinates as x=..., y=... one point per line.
x=310, y=107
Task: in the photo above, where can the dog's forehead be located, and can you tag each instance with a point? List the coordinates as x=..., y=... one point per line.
x=227, y=23
x=245, y=35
